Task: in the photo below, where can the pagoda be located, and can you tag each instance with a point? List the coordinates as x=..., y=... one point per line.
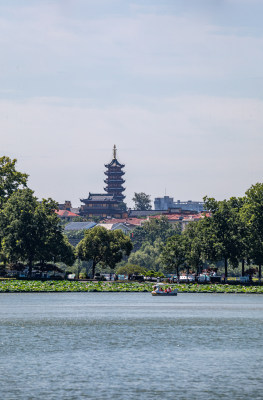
x=109, y=204
x=114, y=180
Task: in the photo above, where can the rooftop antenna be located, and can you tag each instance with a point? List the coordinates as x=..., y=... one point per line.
x=114, y=152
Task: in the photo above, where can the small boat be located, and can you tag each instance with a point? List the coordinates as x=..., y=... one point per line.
x=159, y=291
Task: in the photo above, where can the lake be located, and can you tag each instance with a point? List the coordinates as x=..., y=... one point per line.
x=131, y=346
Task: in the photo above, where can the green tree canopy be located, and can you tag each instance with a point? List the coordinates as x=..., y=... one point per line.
x=30, y=231
x=226, y=231
x=10, y=178
x=148, y=257
x=129, y=269
x=142, y=201
x=103, y=246
x=252, y=215
x=152, y=230
x=174, y=253
x=196, y=241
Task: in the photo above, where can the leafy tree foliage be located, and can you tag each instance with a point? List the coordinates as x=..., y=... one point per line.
x=174, y=253
x=130, y=269
x=147, y=241
x=152, y=230
x=252, y=215
x=75, y=234
x=104, y=247
x=123, y=206
x=142, y=201
x=195, y=244
x=10, y=178
x=148, y=256
x=226, y=227
x=30, y=231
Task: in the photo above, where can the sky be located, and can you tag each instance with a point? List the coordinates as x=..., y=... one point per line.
x=177, y=85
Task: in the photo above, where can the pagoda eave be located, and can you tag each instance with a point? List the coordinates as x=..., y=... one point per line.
x=111, y=165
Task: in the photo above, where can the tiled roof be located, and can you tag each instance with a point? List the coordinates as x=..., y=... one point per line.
x=114, y=163
x=106, y=226
x=79, y=226
x=75, y=210
x=126, y=221
x=99, y=197
x=170, y=217
x=182, y=217
x=145, y=213
x=114, y=225
x=66, y=213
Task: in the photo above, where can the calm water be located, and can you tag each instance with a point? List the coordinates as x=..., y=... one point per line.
x=131, y=346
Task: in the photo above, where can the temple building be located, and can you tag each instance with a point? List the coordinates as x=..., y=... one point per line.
x=101, y=205
x=114, y=180
x=109, y=204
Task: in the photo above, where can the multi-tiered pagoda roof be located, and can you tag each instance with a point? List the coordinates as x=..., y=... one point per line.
x=114, y=180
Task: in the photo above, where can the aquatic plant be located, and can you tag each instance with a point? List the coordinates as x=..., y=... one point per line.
x=78, y=286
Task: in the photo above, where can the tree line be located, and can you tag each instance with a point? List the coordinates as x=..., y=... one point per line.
x=232, y=233
x=31, y=232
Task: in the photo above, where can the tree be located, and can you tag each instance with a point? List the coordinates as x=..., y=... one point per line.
x=147, y=242
x=54, y=245
x=102, y=246
x=173, y=253
x=225, y=231
x=194, y=235
x=123, y=206
x=148, y=257
x=10, y=179
x=130, y=269
x=142, y=201
x=252, y=215
x=152, y=230
x=31, y=231
x=19, y=239
x=119, y=245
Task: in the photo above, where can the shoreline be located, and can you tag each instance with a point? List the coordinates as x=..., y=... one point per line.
x=119, y=291
x=20, y=286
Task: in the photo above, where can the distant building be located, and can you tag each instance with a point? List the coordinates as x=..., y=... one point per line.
x=182, y=218
x=114, y=180
x=65, y=214
x=65, y=206
x=79, y=226
x=163, y=203
x=101, y=205
x=75, y=231
x=117, y=225
x=145, y=213
x=109, y=204
x=131, y=223
x=166, y=203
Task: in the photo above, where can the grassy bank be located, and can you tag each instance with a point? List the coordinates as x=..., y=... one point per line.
x=12, y=286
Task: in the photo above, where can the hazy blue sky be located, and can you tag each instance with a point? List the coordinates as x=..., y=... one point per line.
x=177, y=85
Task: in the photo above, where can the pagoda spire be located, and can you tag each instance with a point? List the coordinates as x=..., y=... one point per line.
x=114, y=152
